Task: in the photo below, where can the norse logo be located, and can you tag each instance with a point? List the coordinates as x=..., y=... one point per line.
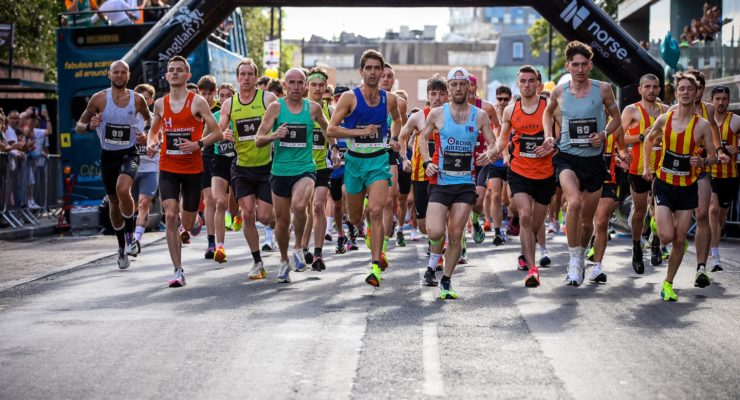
x=574, y=14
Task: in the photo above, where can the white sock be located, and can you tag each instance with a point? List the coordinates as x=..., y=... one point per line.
x=433, y=260
x=574, y=254
x=715, y=251
x=139, y=232
x=597, y=266
x=329, y=223
x=543, y=250
x=268, y=234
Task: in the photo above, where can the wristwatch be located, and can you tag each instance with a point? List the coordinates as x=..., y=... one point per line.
x=642, y=137
x=426, y=163
x=200, y=143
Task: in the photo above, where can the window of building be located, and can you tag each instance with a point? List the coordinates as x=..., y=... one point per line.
x=507, y=18
x=519, y=21
x=532, y=18
x=517, y=50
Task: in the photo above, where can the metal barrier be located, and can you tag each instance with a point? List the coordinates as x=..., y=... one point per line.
x=29, y=188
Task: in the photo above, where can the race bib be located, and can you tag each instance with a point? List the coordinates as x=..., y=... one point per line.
x=369, y=141
x=527, y=144
x=246, y=129
x=118, y=135
x=296, y=137
x=676, y=164
x=141, y=150
x=174, y=139
x=226, y=148
x=579, y=130
x=318, y=139
x=455, y=163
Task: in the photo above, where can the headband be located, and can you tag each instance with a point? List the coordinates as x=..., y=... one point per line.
x=316, y=75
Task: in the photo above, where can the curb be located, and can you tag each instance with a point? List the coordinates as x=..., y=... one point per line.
x=28, y=232
x=71, y=267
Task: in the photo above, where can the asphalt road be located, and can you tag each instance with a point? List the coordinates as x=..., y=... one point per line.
x=97, y=332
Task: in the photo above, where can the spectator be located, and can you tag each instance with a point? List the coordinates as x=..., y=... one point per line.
x=118, y=12
x=262, y=82
x=154, y=10
x=84, y=9
x=37, y=148
x=276, y=87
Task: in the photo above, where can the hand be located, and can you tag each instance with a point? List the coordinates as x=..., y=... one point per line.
x=723, y=158
x=597, y=139
x=431, y=169
x=45, y=113
x=228, y=135
x=406, y=166
x=152, y=150
x=731, y=149
x=483, y=159
x=395, y=146
x=95, y=121
x=370, y=130
x=281, y=132
x=141, y=138
x=548, y=144
x=188, y=145
x=646, y=174
x=627, y=157
x=335, y=160
x=542, y=151
x=695, y=161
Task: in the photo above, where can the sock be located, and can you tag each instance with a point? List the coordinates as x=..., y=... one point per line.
x=700, y=266
x=582, y=251
x=138, y=233
x=497, y=230
x=268, y=234
x=574, y=254
x=715, y=251
x=329, y=223
x=433, y=260
x=597, y=265
x=385, y=244
x=475, y=218
x=317, y=251
x=376, y=262
x=220, y=244
x=121, y=236
x=256, y=256
x=129, y=224
x=635, y=243
x=445, y=280
x=211, y=240
x=543, y=250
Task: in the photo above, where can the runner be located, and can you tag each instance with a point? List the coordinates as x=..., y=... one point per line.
x=112, y=114
x=675, y=188
x=636, y=121
x=498, y=171
x=530, y=175
x=404, y=178
x=579, y=162
x=287, y=123
x=724, y=177
x=317, y=78
x=221, y=162
x=250, y=173
x=394, y=160
x=146, y=181
x=207, y=90
x=180, y=164
x=364, y=115
x=452, y=185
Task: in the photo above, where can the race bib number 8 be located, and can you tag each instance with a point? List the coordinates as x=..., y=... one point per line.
x=318, y=139
x=580, y=130
x=676, y=164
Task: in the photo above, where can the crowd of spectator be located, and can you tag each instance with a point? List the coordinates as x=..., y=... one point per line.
x=704, y=28
x=115, y=12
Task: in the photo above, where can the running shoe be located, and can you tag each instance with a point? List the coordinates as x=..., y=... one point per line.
x=353, y=244
x=268, y=245
x=184, y=235
x=328, y=237
x=590, y=254
x=716, y=267
x=383, y=262
x=533, y=277
x=220, y=255
x=666, y=292
x=513, y=228
x=299, y=264
x=479, y=236
x=307, y=256
x=596, y=275
x=236, y=224
x=178, y=279
x=123, y=261
x=342, y=245
x=133, y=248
x=400, y=240
x=575, y=275
x=554, y=228
x=702, y=279
x=521, y=263
x=446, y=292
x=655, y=258
x=352, y=232
x=258, y=271
x=430, y=278
x=228, y=220
x=637, y=264
x=463, y=259
x=284, y=272
x=318, y=264
x=487, y=226
x=664, y=253
x=210, y=251
x=545, y=261
x=498, y=240
x=374, y=278
x=415, y=235
x=197, y=226
x=440, y=264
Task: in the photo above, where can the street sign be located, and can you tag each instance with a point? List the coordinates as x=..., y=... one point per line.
x=271, y=54
x=6, y=35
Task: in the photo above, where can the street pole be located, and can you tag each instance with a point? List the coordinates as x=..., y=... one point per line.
x=280, y=36
x=549, y=55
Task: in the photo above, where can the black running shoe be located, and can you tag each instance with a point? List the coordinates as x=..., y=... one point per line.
x=308, y=256
x=655, y=256
x=341, y=245
x=353, y=244
x=430, y=278
x=637, y=264
x=318, y=264
x=400, y=240
x=498, y=240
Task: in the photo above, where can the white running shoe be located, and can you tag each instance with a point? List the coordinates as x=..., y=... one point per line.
x=575, y=275
x=258, y=271
x=123, y=261
x=597, y=275
x=284, y=272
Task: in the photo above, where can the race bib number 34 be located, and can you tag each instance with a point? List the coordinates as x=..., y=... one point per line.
x=246, y=129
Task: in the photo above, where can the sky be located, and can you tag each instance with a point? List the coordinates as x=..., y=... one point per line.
x=302, y=22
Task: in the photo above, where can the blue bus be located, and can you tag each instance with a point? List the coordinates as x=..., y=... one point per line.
x=83, y=57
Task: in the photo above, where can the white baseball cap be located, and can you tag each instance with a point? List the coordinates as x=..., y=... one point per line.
x=458, y=73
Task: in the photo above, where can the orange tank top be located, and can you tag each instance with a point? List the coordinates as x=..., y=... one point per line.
x=528, y=134
x=417, y=164
x=678, y=148
x=729, y=138
x=176, y=127
x=646, y=121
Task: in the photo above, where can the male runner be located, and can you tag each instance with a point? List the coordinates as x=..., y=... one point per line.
x=579, y=162
x=146, y=181
x=112, y=114
x=498, y=171
x=207, y=90
x=221, y=162
x=180, y=116
x=363, y=113
x=250, y=172
x=288, y=123
x=675, y=189
x=530, y=175
x=317, y=78
x=724, y=177
x=452, y=186
x=636, y=121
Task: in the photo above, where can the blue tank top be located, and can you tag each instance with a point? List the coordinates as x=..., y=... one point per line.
x=580, y=118
x=364, y=115
x=457, y=145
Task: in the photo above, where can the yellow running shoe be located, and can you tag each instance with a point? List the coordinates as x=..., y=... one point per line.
x=666, y=293
x=220, y=255
x=237, y=223
x=374, y=278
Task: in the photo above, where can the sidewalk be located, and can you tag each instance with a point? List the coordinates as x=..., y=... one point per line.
x=26, y=261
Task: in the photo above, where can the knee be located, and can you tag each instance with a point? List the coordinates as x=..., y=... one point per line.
x=375, y=212
x=171, y=218
x=318, y=209
x=574, y=205
x=702, y=215
x=221, y=203
x=666, y=236
x=714, y=212
x=525, y=218
x=248, y=213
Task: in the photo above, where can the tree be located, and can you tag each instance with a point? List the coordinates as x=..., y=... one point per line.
x=35, y=33
x=257, y=24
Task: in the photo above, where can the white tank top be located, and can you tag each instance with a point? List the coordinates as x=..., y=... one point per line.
x=116, y=130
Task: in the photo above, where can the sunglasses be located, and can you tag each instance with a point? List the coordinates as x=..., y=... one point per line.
x=503, y=98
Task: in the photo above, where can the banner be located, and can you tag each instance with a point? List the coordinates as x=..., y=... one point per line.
x=6, y=35
x=271, y=54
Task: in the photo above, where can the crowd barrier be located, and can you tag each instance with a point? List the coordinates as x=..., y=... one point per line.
x=30, y=188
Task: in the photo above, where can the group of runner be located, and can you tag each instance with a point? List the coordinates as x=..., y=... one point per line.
x=252, y=157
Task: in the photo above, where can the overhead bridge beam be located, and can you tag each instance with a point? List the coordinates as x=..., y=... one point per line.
x=616, y=53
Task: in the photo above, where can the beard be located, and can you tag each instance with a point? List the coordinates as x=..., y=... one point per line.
x=118, y=85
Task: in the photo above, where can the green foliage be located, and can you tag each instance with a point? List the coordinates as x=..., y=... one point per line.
x=35, y=32
x=257, y=24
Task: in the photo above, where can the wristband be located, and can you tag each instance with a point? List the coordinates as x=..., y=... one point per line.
x=335, y=147
x=426, y=163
